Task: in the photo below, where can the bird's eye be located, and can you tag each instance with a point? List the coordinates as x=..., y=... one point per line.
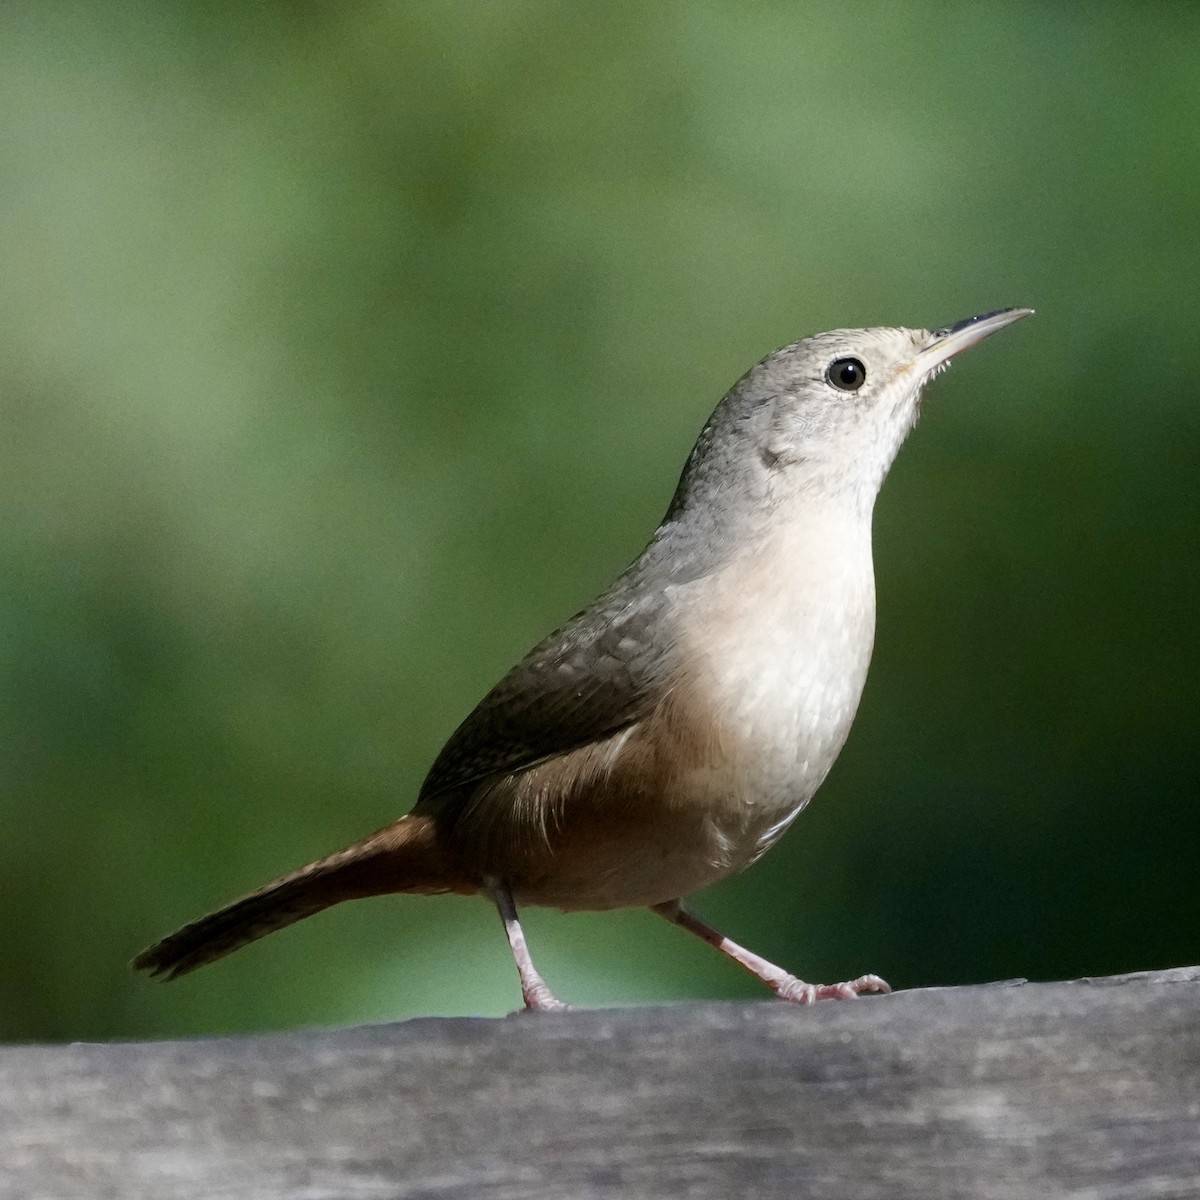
x=846, y=374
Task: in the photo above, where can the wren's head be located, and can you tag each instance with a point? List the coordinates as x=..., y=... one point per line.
x=821, y=419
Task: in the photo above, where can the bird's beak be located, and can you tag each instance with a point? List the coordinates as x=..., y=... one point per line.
x=962, y=334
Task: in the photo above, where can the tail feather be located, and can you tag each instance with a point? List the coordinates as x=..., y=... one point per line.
x=404, y=857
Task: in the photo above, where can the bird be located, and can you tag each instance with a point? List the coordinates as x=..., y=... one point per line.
x=669, y=733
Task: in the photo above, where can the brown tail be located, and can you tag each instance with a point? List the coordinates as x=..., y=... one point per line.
x=404, y=857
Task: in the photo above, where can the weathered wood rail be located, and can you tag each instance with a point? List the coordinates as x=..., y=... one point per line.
x=1083, y=1089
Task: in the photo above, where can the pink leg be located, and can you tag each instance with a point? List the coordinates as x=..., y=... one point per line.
x=785, y=986
x=537, y=996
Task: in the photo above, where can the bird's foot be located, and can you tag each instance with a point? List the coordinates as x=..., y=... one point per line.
x=799, y=992
x=539, y=998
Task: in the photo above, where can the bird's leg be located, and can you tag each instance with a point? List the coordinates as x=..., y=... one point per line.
x=785, y=986
x=537, y=996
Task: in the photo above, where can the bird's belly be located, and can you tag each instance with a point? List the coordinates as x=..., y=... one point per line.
x=587, y=834
x=671, y=807
x=707, y=783
x=618, y=844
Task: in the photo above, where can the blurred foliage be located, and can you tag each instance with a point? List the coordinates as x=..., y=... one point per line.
x=347, y=348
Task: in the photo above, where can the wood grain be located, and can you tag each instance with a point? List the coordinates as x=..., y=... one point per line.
x=1082, y=1089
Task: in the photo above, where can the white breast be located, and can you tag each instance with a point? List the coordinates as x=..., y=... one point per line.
x=778, y=649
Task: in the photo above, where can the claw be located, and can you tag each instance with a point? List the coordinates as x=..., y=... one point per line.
x=798, y=992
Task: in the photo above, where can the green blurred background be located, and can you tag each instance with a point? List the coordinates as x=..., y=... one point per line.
x=345, y=349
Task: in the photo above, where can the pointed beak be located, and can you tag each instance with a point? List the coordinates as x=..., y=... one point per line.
x=963, y=334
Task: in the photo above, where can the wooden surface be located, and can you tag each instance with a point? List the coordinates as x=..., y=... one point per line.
x=1084, y=1089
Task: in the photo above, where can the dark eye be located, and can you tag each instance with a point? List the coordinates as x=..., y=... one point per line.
x=846, y=374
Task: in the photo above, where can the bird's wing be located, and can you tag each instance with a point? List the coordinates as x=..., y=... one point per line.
x=598, y=674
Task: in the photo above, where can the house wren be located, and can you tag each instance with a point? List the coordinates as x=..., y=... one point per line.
x=668, y=734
